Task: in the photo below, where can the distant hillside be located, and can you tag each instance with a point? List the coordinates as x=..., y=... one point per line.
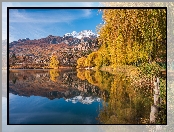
x=26, y=53
x=70, y=39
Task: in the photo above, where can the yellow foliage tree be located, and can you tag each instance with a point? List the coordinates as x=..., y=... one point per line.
x=54, y=63
x=81, y=62
x=90, y=60
x=132, y=36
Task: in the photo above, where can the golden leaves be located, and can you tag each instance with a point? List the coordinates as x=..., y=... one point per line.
x=54, y=63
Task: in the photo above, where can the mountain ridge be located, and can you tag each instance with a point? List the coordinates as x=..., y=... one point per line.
x=81, y=34
x=67, y=48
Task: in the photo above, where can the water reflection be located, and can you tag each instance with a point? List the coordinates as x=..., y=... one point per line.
x=70, y=100
x=52, y=84
x=127, y=103
x=123, y=102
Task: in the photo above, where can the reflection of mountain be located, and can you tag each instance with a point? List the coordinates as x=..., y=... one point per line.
x=53, y=84
x=124, y=103
x=84, y=100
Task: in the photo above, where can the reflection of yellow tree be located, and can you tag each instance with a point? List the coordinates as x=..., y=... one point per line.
x=54, y=74
x=89, y=75
x=81, y=74
x=125, y=106
x=104, y=79
x=97, y=78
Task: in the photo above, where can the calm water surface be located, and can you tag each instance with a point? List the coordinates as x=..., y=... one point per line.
x=76, y=97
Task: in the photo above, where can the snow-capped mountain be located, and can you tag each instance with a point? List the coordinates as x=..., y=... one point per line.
x=83, y=100
x=84, y=33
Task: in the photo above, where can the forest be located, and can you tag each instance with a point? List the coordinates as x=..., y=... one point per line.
x=129, y=37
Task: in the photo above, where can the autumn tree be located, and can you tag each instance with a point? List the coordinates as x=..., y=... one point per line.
x=130, y=37
x=81, y=62
x=54, y=63
x=133, y=35
x=90, y=60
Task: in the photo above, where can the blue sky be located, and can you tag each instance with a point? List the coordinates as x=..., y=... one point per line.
x=39, y=23
x=38, y=4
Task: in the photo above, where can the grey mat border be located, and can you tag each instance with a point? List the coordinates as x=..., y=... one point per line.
x=60, y=1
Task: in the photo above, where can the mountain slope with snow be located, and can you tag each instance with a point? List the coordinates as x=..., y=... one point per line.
x=82, y=34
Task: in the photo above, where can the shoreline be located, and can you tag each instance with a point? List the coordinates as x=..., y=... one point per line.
x=62, y=67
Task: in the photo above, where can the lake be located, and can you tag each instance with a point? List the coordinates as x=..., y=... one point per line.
x=76, y=97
